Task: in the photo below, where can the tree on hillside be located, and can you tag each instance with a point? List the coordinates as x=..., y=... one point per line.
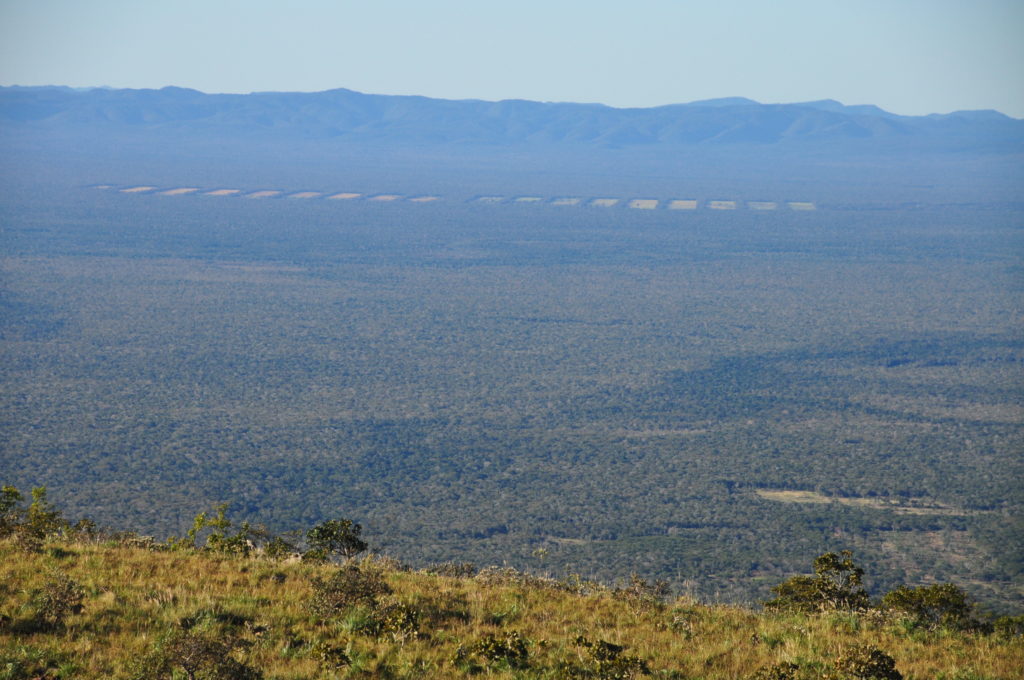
x=836, y=584
x=334, y=537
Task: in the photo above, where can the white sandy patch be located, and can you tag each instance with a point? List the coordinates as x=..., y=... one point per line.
x=801, y=205
x=344, y=196
x=179, y=191
x=136, y=190
x=223, y=192
x=604, y=202
x=682, y=204
x=722, y=205
x=644, y=203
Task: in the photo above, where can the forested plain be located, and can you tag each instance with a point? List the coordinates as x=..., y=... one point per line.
x=629, y=391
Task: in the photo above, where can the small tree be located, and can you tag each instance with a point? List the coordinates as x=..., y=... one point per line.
x=334, y=537
x=836, y=584
x=219, y=540
x=41, y=518
x=9, y=514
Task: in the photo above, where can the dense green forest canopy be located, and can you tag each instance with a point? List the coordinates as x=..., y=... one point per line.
x=705, y=396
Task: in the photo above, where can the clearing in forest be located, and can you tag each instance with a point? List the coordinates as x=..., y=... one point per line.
x=903, y=506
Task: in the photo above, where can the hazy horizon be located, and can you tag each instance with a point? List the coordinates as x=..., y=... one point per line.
x=909, y=58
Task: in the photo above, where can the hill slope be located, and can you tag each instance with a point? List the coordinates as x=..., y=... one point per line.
x=112, y=610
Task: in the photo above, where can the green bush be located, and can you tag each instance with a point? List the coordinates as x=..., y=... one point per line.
x=836, y=585
x=942, y=605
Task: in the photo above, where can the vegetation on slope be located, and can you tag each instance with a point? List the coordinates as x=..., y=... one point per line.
x=228, y=602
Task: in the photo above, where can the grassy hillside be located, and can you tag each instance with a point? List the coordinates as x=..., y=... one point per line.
x=78, y=604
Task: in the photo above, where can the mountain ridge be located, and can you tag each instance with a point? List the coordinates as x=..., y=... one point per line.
x=385, y=119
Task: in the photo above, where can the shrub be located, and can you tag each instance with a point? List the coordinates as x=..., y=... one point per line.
x=9, y=514
x=942, y=605
x=347, y=587
x=778, y=671
x=196, y=655
x=509, y=650
x=836, y=584
x=59, y=598
x=603, y=661
x=1009, y=626
x=641, y=596
x=865, y=663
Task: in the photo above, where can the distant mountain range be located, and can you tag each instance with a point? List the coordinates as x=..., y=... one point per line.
x=346, y=115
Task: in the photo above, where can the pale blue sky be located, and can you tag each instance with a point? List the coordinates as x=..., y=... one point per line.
x=908, y=56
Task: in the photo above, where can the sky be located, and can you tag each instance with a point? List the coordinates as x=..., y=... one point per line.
x=908, y=56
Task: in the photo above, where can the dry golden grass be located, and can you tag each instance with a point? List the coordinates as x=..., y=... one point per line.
x=223, y=192
x=682, y=204
x=604, y=202
x=134, y=595
x=344, y=196
x=179, y=191
x=722, y=205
